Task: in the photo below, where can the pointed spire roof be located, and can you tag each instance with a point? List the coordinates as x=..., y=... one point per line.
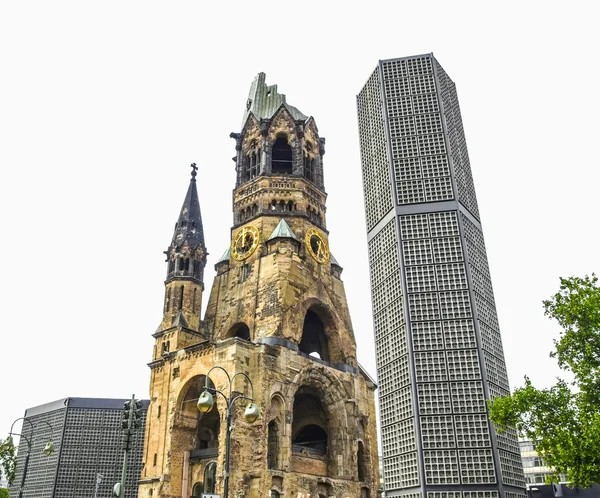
x=264, y=101
x=282, y=230
x=189, y=225
x=179, y=320
x=226, y=256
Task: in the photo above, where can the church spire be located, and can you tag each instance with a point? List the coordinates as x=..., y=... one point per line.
x=187, y=253
x=189, y=225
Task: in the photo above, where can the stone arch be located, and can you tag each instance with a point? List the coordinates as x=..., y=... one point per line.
x=192, y=429
x=331, y=326
x=275, y=431
x=315, y=381
x=239, y=330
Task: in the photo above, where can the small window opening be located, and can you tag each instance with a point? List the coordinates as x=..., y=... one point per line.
x=186, y=265
x=245, y=272
x=281, y=162
x=154, y=459
x=158, y=412
x=198, y=489
x=194, y=302
x=273, y=445
x=181, y=297
x=291, y=206
x=168, y=300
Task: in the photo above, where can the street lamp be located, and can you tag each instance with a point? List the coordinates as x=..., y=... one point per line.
x=206, y=403
x=48, y=447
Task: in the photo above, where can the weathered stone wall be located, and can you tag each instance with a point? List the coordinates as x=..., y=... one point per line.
x=272, y=291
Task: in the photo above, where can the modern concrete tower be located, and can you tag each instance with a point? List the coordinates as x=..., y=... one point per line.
x=439, y=351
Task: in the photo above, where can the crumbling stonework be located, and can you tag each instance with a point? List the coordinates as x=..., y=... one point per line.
x=280, y=317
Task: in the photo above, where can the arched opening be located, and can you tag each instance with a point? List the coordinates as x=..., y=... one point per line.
x=210, y=477
x=205, y=441
x=281, y=159
x=365, y=493
x=360, y=457
x=314, y=340
x=198, y=489
x=309, y=428
x=240, y=330
x=273, y=445
x=275, y=494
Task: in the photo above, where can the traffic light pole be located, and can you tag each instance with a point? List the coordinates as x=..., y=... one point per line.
x=131, y=421
x=127, y=436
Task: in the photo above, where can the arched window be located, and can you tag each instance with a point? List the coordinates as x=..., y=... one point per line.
x=194, y=302
x=281, y=159
x=360, y=457
x=309, y=163
x=314, y=340
x=273, y=445
x=198, y=489
x=181, y=297
x=210, y=477
x=309, y=428
x=275, y=494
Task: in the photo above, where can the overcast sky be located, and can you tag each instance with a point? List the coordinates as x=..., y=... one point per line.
x=103, y=106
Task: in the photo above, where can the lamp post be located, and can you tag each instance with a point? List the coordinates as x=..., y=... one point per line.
x=48, y=448
x=206, y=403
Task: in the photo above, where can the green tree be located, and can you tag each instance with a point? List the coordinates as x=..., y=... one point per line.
x=3, y=493
x=8, y=461
x=564, y=420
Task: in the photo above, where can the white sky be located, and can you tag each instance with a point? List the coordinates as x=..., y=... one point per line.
x=103, y=106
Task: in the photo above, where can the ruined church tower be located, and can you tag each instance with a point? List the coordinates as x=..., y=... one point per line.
x=277, y=312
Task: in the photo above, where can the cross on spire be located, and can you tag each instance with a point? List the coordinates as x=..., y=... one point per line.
x=194, y=169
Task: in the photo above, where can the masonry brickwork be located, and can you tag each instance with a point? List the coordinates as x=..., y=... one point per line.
x=275, y=313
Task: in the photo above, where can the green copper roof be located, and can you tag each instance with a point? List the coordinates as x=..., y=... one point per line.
x=264, y=100
x=282, y=230
x=226, y=256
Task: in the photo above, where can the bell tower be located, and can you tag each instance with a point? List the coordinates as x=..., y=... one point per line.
x=277, y=312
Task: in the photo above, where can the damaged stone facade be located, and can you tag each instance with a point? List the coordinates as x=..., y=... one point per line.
x=276, y=314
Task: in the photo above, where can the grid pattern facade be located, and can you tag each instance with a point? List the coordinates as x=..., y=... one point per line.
x=87, y=442
x=438, y=344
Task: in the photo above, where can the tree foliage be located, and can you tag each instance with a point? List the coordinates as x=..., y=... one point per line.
x=8, y=461
x=3, y=493
x=564, y=420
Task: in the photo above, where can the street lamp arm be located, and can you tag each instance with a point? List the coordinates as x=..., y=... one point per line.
x=247, y=378
x=221, y=393
x=48, y=424
x=207, y=377
x=24, y=420
x=241, y=396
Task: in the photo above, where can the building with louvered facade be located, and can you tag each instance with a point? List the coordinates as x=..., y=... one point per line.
x=438, y=344
x=88, y=454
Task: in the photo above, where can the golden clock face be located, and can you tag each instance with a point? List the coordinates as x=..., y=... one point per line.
x=317, y=246
x=245, y=243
